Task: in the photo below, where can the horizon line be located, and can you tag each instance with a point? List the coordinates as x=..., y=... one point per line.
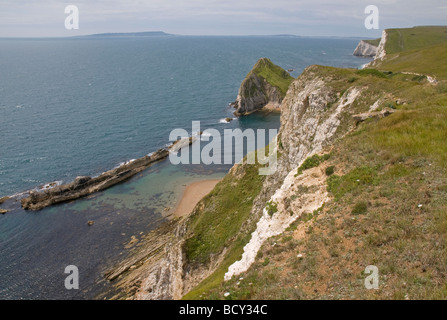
x=164, y=34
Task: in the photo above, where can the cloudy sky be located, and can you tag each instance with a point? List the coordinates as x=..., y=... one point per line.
x=41, y=18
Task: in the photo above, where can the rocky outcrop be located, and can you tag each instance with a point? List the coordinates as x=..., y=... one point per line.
x=365, y=49
x=83, y=186
x=265, y=84
x=311, y=120
x=153, y=272
x=373, y=115
x=381, y=52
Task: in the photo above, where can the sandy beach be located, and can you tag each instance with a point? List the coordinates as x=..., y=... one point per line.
x=192, y=195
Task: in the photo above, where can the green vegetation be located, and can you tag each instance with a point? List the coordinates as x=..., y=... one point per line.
x=312, y=162
x=374, y=42
x=424, y=61
x=400, y=40
x=271, y=208
x=273, y=74
x=420, y=50
x=330, y=170
x=372, y=72
x=224, y=211
x=221, y=221
x=360, y=208
x=340, y=185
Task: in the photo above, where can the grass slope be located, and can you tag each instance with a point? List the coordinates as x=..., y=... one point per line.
x=273, y=74
x=374, y=42
x=220, y=222
x=400, y=40
x=429, y=61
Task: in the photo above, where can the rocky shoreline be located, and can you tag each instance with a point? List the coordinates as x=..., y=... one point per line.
x=84, y=186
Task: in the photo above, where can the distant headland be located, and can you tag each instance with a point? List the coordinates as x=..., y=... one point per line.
x=127, y=34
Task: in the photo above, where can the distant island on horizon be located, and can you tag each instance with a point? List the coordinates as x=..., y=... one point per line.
x=141, y=34
x=129, y=34
x=162, y=33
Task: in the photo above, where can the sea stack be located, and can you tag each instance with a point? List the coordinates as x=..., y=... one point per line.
x=266, y=84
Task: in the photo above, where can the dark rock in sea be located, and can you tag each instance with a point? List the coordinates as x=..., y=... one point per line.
x=228, y=119
x=233, y=104
x=3, y=211
x=90, y=223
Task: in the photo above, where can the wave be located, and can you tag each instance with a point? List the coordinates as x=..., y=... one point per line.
x=226, y=120
x=46, y=186
x=124, y=163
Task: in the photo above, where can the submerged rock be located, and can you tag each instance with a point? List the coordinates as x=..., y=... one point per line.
x=4, y=199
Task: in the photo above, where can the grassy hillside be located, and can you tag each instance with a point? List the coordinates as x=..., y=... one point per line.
x=400, y=40
x=374, y=42
x=221, y=222
x=429, y=61
x=421, y=50
x=273, y=74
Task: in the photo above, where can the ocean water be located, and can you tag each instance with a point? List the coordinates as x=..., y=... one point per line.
x=71, y=107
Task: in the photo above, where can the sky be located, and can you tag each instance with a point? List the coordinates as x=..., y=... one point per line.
x=46, y=18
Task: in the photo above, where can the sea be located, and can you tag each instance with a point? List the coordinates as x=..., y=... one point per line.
x=80, y=106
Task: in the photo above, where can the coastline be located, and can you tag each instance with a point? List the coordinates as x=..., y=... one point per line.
x=192, y=195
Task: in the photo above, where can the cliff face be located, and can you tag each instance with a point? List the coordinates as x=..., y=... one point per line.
x=365, y=49
x=381, y=53
x=265, y=84
x=312, y=119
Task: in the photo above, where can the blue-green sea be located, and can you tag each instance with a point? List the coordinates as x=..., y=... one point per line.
x=82, y=106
